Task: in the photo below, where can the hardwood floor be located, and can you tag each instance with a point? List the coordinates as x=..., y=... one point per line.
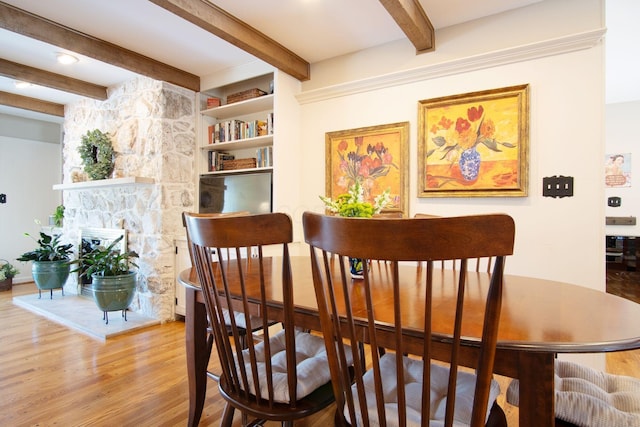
x=51, y=375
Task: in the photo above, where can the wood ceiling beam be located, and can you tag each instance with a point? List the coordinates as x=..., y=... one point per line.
x=31, y=104
x=36, y=27
x=39, y=77
x=414, y=21
x=229, y=28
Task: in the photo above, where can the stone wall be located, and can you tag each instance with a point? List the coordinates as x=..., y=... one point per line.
x=152, y=126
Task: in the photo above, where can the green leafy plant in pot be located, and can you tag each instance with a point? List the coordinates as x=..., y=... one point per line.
x=113, y=280
x=57, y=217
x=7, y=273
x=50, y=262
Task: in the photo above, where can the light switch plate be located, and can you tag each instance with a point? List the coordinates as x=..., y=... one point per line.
x=614, y=202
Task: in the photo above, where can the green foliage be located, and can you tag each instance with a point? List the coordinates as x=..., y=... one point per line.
x=49, y=249
x=97, y=154
x=58, y=216
x=7, y=271
x=106, y=261
x=352, y=204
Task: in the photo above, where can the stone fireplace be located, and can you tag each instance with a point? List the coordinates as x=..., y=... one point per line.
x=152, y=129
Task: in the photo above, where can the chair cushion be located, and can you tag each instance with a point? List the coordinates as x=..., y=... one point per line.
x=465, y=388
x=591, y=398
x=240, y=318
x=311, y=363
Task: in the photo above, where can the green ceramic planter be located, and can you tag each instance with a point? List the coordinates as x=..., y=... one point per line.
x=113, y=293
x=50, y=275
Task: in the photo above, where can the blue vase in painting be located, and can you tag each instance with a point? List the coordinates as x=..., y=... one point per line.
x=470, y=164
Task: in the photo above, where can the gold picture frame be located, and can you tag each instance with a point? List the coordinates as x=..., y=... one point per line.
x=376, y=155
x=474, y=144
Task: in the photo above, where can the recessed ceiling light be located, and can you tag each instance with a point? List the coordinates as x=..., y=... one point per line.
x=21, y=85
x=65, y=58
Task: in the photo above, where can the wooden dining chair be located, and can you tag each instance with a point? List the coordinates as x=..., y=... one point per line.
x=396, y=390
x=285, y=376
x=239, y=317
x=479, y=262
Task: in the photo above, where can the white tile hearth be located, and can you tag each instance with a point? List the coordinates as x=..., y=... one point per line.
x=81, y=314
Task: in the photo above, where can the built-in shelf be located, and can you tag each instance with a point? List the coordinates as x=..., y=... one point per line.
x=239, y=108
x=115, y=182
x=237, y=171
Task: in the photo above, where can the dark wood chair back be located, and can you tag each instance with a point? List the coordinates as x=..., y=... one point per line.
x=479, y=262
x=262, y=380
x=341, y=300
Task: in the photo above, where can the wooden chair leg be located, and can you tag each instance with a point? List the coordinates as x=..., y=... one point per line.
x=227, y=416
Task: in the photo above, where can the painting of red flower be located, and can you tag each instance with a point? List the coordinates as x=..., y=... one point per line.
x=373, y=156
x=474, y=144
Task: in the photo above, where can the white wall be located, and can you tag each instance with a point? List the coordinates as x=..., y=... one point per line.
x=28, y=170
x=559, y=239
x=621, y=121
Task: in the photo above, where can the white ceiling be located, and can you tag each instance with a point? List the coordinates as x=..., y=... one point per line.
x=313, y=29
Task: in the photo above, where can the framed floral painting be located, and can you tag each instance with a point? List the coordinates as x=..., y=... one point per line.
x=376, y=156
x=474, y=144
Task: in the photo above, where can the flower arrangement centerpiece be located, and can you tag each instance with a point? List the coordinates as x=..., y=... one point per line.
x=352, y=204
x=7, y=273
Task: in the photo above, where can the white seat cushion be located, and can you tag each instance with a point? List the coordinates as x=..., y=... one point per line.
x=311, y=363
x=465, y=388
x=590, y=398
x=240, y=318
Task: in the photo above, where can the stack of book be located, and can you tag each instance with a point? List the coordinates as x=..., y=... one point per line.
x=217, y=158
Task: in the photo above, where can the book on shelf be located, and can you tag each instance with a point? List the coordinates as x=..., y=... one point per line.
x=264, y=157
x=216, y=159
x=234, y=130
x=270, y=123
x=213, y=102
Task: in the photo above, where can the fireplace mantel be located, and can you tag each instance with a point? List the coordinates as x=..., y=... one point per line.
x=101, y=183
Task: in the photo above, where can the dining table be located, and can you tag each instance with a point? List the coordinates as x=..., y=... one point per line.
x=539, y=319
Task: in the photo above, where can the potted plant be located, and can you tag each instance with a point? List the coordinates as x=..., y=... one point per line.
x=51, y=262
x=352, y=204
x=113, y=281
x=57, y=217
x=7, y=273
